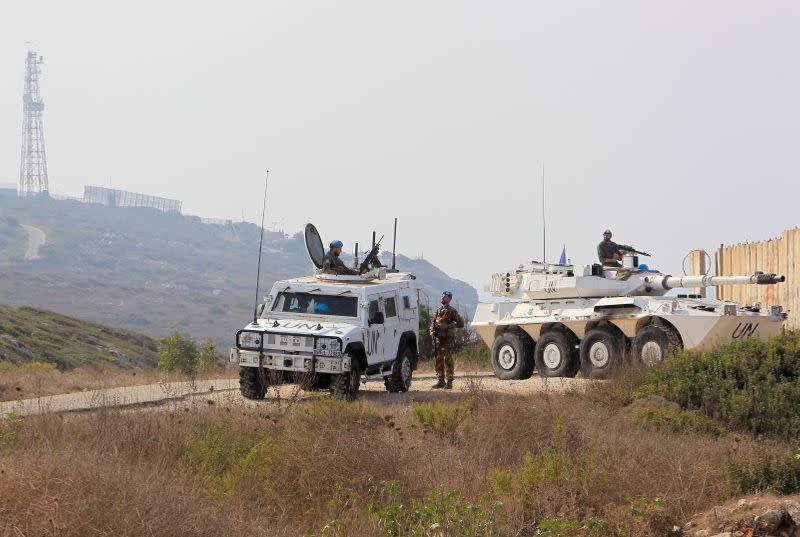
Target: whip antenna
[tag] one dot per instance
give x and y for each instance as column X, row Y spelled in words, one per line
column 544, row 223
column 260, row 246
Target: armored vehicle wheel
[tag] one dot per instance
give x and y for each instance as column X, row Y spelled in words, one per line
column 347, row 384
column 653, row 343
column 512, row 356
column 252, row 384
column 400, row 379
column 601, row 353
column 556, row 355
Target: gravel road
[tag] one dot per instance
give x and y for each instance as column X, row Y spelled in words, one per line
column 226, row 391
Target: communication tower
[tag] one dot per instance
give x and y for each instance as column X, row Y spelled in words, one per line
column 33, row 168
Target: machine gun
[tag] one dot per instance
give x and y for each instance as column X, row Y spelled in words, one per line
column 631, row 249
column 371, row 261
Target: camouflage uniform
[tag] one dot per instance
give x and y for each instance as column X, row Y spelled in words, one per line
column 606, row 251
column 332, row 264
column 444, row 339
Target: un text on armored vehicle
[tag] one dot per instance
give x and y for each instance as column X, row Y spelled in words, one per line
column 562, row 319
column 328, row 331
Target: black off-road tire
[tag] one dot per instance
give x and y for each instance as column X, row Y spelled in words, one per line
column 402, row 369
column 652, row 344
column 252, row 384
column 602, row 353
column 347, row 384
column 556, row 354
column 512, row 356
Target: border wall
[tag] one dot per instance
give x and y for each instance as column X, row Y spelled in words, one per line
column 777, row 256
column 122, row 198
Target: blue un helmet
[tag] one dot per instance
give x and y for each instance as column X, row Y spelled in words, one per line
column 337, row 244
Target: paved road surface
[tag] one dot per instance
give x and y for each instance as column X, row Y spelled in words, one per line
column 227, row 391
column 36, row 239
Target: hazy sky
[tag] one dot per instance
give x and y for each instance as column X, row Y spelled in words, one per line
column 677, row 124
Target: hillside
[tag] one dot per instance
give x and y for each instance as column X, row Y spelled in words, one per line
column 154, row 272
column 29, row 334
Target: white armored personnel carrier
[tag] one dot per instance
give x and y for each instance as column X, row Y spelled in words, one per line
column 328, row 331
column 562, row 319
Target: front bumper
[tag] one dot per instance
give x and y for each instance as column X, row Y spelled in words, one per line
column 300, row 363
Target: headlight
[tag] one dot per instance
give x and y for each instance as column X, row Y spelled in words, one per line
column 328, row 346
column 250, row 340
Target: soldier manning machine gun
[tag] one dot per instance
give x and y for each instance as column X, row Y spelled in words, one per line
column 564, row 318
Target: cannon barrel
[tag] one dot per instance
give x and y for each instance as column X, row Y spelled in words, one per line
column 671, row 282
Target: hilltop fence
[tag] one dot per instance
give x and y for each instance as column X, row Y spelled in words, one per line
column 772, row 256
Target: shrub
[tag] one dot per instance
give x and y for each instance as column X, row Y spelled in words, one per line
column 441, row 513
column 444, row 418
column 767, row 473
column 559, row 527
column 752, row 385
column 675, row 420
column 177, row 352
column 207, row 357
column 221, row 459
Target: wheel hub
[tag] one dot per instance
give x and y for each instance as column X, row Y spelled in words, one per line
column 552, row 356
column 652, row 354
column 507, row 357
column 599, row 354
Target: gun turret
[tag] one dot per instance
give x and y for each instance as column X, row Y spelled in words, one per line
column 671, row 282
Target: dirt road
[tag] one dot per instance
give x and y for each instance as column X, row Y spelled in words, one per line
column 36, row 239
column 226, row 391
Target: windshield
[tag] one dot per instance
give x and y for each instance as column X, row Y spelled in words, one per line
column 314, row 304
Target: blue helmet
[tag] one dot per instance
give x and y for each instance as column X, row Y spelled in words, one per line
column 321, row 307
column 337, row 244
column 448, row 293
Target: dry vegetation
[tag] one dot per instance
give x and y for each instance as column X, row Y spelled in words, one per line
column 472, row 464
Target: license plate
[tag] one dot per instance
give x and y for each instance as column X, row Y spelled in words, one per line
column 290, row 340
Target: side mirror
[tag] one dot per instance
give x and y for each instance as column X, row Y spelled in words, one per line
column 377, row 318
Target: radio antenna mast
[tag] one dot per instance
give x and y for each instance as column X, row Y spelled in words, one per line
column 544, row 223
column 260, row 246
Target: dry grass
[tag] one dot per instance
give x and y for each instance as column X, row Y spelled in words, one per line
column 27, row 382
column 367, row 468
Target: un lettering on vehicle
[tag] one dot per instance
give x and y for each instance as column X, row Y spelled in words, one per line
column 372, row 340
column 744, row 330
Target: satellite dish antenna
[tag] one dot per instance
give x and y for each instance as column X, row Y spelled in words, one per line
column 314, row 245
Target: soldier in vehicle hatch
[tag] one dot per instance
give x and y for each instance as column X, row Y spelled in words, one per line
column 608, row 251
column 332, row 263
column 444, row 323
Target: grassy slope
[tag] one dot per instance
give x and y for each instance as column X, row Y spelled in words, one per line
column 149, row 271
column 28, row 334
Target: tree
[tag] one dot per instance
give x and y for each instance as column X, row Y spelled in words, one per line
column 177, row 351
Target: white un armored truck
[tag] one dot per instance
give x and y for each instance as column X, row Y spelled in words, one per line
column 562, row 319
column 328, row 331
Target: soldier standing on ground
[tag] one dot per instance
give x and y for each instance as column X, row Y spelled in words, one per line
column 332, row 263
column 442, row 328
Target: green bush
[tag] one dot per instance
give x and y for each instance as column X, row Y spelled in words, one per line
column 751, row 385
column 767, row 473
column 444, row 418
column 675, row 420
column 177, row 352
column 560, row 527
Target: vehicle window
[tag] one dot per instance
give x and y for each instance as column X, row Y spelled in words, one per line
column 314, row 304
column 389, row 307
column 373, row 308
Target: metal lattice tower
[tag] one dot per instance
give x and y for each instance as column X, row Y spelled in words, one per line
column 33, row 168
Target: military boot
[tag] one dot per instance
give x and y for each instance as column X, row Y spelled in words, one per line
column 449, row 385
column 438, row 385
